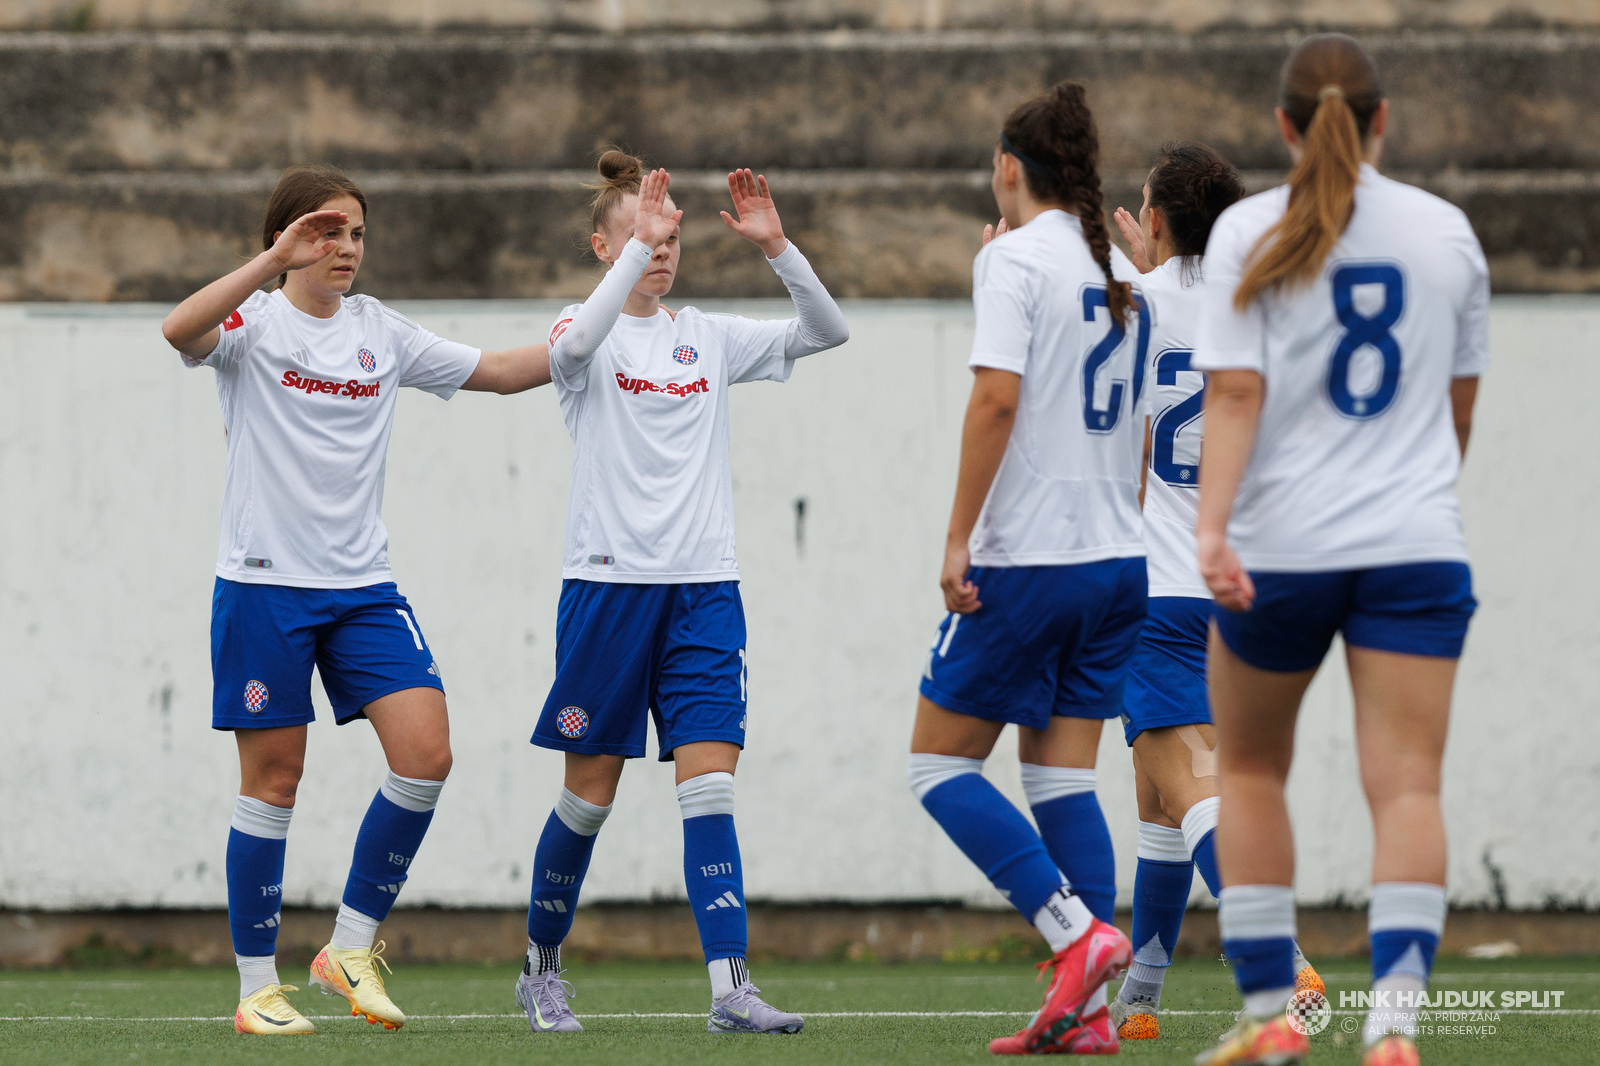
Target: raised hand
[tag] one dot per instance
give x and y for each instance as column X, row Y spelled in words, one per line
column 758, row 220
column 991, row 232
column 652, row 225
column 304, row 242
column 1134, row 235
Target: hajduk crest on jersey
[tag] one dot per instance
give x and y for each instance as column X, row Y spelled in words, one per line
column 685, row 354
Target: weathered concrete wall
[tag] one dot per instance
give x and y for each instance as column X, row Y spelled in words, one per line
column 635, row 15
column 219, row 102
column 115, row 791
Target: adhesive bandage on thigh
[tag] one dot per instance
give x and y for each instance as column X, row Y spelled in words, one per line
column 1202, row 756
column 707, row 794
column 1200, row 820
column 926, row 772
column 1042, row 784
column 412, row 793
column 256, row 818
column 579, row 815
column 1162, row 843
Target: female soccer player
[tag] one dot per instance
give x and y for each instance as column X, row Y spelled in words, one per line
column 650, row 622
column 307, row 378
column 1044, row 572
column 1343, row 333
column 1166, row 715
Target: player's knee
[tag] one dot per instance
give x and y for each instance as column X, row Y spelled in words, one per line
column 436, row 763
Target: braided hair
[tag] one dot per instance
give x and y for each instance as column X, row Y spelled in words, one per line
column 1057, row 133
column 1190, row 184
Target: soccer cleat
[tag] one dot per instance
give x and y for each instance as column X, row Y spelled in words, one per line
column 742, row 1011
column 1253, row 1043
column 353, row 974
column 1077, row 970
column 269, row 1013
column 543, row 997
column 1396, row 1049
column 1134, row 1021
column 1308, row 978
column 1097, row 1036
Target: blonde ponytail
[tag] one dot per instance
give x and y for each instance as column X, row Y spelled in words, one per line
column 1322, row 186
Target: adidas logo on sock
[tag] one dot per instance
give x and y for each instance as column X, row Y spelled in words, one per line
column 553, row 905
column 727, row 899
column 270, row 923
column 391, row 889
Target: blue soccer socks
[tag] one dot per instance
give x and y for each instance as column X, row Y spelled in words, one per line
column 1074, row 832
column 559, row 866
column 1404, row 923
column 1199, row 832
column 1161, row 885
column 1257, row 924
column 711, row 868
column 386, row 844
column 988, row 829
column 256, row 843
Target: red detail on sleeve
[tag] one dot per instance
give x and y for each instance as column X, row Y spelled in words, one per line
column 233, row 321
column 560, row 328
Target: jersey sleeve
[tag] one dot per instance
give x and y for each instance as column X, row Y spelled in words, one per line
column 754, row 349
column 1003, row 304
column 240, row 331
column 428, row 361
column 1227, row 339
column 1471, row 357
column 573, row 382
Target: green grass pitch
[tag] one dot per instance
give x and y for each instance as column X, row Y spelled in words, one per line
column 859, row 1013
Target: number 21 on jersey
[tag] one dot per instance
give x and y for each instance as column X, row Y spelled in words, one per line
column 1105, row 419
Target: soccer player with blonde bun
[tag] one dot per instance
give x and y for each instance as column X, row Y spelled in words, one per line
column 650, row 623
column 307, row 377
column 1044, row 571
column 1344, row 329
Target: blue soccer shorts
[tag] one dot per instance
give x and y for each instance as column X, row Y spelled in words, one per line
column 625, row 652
column 265, row 639
column 1048, row 640
column 1167, row 676
column 1410, row 609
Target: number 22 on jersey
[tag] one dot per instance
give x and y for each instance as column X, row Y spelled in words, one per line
column 1173, row 420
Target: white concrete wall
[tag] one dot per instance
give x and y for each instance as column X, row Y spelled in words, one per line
column 114, row 790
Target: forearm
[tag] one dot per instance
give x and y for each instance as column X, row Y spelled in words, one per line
column 1463, row 397
column 1232, row 413
column 193, row 319
column 984, row 436
column 593, row 322
column 511, row 371
column 818, row 323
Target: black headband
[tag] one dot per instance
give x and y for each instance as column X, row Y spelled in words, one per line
column 1031, row 164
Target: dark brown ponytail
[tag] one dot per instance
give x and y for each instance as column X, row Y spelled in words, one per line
column 1329, row 90
column 1054, row 138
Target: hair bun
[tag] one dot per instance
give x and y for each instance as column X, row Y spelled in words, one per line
column 619, row 169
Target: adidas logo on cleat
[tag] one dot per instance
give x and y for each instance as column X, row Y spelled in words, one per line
column 727, row 899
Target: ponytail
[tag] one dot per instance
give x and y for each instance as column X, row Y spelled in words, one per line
column 1054, row 138
column 1330, row 93
column 620, row 176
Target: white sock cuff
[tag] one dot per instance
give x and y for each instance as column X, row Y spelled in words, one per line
column 1200, row 820
column 926, row 772
column 579, row 815
column 252, row 817
column 1406, row 905
column 1162, row 843
column 1256, row 912
column 707, row 794
column 1041, row 784
column 412, row 793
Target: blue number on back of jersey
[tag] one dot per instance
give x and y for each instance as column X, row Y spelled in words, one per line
column 1164, row 434
column 1361, row 332
column 1104, row 419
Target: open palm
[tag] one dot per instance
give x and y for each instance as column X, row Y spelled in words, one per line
column 757, row 220
column 305, row 241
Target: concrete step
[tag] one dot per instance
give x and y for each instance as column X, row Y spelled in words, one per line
column 524, row 234
column 210, row 101
column 767, row 15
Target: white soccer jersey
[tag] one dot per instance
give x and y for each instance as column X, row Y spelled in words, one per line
column 1356, row 459
column 652, row 490
column 1174, row 392
column 308, row 404
column 1067, row 490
